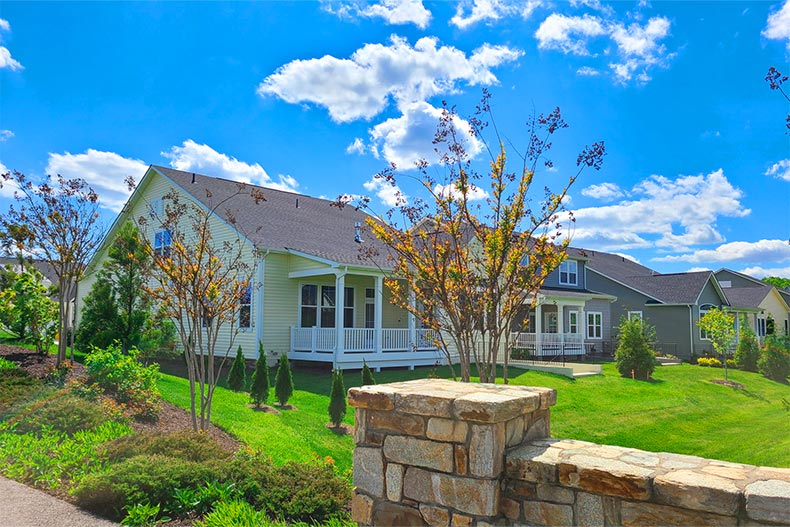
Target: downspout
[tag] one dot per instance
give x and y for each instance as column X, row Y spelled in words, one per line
column 691, row 330
column 261, row 275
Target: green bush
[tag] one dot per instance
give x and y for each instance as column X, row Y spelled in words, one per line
column 709, row 362
column 16, row 384
column 142, row 515
column 284, row 384
column 748, row 352
column 259, row 389
column 634, row 353
column 125, row 379
column 367, row 375
column 234, row 514
column 337, row 399
column 68, row 414
column 142, row 479
column 186, row 445
column 6, row 364
column 237, row 376
column 774, row 360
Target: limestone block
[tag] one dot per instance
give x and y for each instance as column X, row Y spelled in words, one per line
column 419, row 452
column 538, row 427
column 549, row 514
column 514, row 431
column 493, row 406
column 387, row 513
column 359, row 426
column 769, row 500
column 447, row 430
column 376, row 397
column 396, row 422
column 394, row 476
column 369, row 471
column 605, row 476
column 460, row 520
column 373, row 438
column 555, row 494
column 479, row 497
column 611, row 510
column 461, row 460
column 589, row 510
column 435, row 516
column 486, row 450
column 643, row 514
column 362, row 509
column 511, row 509
column 535, row 463
column 697, row 491
column 521, row 490
column 433, row 403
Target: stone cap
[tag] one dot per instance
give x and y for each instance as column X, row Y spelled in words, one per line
column 476, row 402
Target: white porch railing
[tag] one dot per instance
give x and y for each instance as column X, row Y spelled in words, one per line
column 549, row 344
column 324, row 340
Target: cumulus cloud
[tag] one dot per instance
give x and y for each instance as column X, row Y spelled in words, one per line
column 194, row 157
column 362, row 86
column 407, row 139
column 6, row 60
column 105, row 172
column 475, row 193
column 8, row 187
column 640, row 50
column 760, row 272
column 586, row 71
column 357, row 147
column 393, row 12
column 604, row 191
column 741, row 252
column 5, row 135
column 568, row 34
column 778, row 24
column 780, row 170
column 662, row 212
column 390, row 195
column 469, row 13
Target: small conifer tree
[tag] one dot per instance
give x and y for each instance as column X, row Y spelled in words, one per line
column 237, row 377
column 367, row 375
column 634, row 355
column 337, row 400
column 748, row 352
column 284, row 384
column 259, row 390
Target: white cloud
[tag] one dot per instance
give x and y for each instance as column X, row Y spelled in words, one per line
column 194, row 157
column 8, row 187
column 639, row 49
column 408, row 139
column 586, row 71
column 780, row 170
column 400, row 12
column 5, row 135
column 742, row 252
column 662, row 212
column 6, row 60
column 475, row 193
column 361, row 87
column 778, row 24
column 490, row 11
column 390, row 195
column 568, row 34
column 357, row 147
column 604, row 191
column 105, row 172
column 4, row 25
column 762, row 272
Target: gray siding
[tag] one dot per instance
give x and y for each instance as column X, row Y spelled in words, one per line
column 672, row 329
column 553, row 280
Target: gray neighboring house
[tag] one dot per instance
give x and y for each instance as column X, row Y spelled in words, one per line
column 672, row 303
column 766, row 307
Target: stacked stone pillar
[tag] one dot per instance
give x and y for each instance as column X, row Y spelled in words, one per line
column 432, row 452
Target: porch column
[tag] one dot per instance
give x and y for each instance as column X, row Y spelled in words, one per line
column 377, row 314
column 538, row 329
column 340, row 297
column 412, row 320
column 561, row 325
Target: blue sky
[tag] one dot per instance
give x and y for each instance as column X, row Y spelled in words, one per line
column 318, row 97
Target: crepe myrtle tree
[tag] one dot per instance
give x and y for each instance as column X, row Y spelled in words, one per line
column 198, row 282
column 465, row 269
column 57, row 220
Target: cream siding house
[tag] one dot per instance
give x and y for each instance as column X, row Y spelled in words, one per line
column 767, row 308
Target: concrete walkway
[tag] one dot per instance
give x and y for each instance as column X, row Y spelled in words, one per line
column 23, row 506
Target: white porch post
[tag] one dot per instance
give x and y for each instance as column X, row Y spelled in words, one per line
column 377, row 314
column 412, row 320
column 538, row 330
column 340, row 288
column 561, row 326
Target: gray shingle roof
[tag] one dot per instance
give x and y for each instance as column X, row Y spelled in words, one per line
column 286, row 220
column 749, row 297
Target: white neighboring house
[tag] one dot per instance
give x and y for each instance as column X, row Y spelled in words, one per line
column 314, row 296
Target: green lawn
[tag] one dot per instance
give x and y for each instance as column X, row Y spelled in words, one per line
column 681, row 411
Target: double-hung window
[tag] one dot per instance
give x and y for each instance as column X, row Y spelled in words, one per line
column 318, row 306
column 594, row 325
column 163, row 239
column 634, row 315
column 569, row 273
column 245, row 308
column 703, row 310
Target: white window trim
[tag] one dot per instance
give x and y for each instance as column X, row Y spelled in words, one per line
column 319, row 305
column 593, row 325
column 702, row 311
column 159, row 249
column 573, row 322
column 631, row 314
column 575, row 274
column 238, row 322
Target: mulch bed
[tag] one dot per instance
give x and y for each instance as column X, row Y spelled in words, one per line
column 171, row 417
column 731, row 384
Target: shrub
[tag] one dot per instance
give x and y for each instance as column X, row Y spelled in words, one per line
column 6, row 364
column 17, row 384
column 237, row 376
column 337, row 399
column 774, row 360
column 186, row 445
column 709, row 362
column 234, row 513
column 367, row 375
column 67, row 414
column 141, row 479
column 125, row 379
column 748, row 352
column 284, row 384
column 633, row 352
column 142, row 515
column 259, row 390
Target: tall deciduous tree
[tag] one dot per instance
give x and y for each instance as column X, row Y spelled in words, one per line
column 720, row 328
column 467, row 270
column 60, row 218
column 197, row 282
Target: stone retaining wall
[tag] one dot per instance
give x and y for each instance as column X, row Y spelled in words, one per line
column 441, row 453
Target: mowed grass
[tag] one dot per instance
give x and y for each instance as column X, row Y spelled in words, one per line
column 681, row 411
